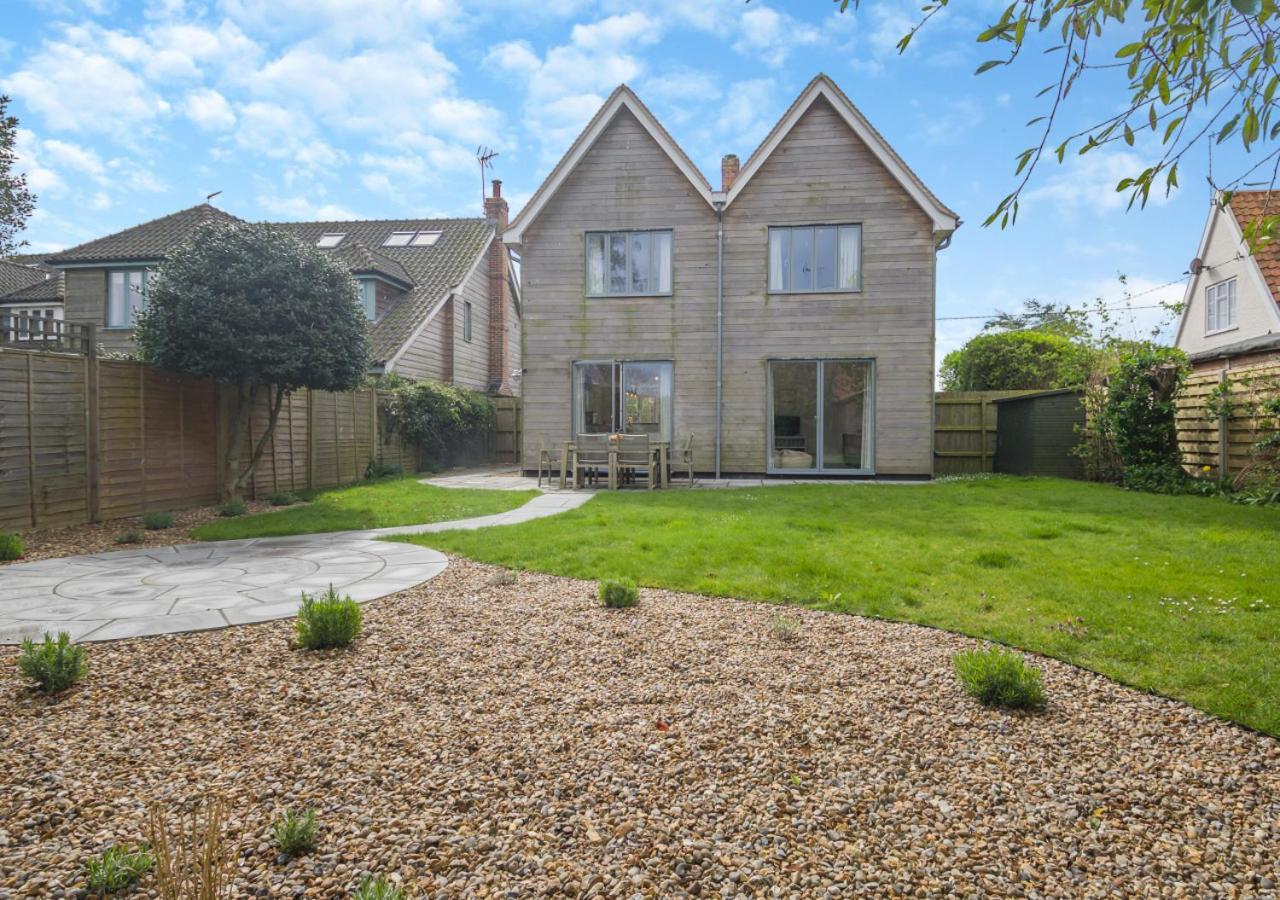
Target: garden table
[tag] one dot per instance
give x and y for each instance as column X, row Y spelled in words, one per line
column 662, row 448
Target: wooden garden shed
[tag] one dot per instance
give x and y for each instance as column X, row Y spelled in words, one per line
column 1037, row 433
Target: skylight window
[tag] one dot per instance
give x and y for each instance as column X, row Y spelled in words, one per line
column 330, row 240
column 412, row 239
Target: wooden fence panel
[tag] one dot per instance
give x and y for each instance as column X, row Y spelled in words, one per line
column 964, row 430
column 1223, row 444
column 83, row 439
column 508, row 426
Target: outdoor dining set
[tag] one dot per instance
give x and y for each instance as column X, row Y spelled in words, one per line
column 616, row 460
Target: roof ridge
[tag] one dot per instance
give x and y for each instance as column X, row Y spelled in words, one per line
column 203, row 211
column 375, row 221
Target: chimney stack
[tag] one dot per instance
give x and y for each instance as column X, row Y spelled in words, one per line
column 728, row 170
column 495, row 207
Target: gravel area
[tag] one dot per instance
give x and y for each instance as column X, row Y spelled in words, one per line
column 100, row 536
column 487, row 739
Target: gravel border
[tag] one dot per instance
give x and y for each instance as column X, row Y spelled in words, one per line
column 485, row 738
column 98, row 537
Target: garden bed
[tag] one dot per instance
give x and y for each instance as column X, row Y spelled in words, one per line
column 484, row 737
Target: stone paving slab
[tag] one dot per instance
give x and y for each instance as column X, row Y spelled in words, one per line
column 194, row 587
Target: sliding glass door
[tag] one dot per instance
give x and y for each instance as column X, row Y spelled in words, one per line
column 634, row 397
column 820, row 414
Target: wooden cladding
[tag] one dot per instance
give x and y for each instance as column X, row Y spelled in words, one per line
column 83, row 439
column 1223, row 444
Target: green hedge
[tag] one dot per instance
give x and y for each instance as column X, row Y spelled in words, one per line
column 449, row 425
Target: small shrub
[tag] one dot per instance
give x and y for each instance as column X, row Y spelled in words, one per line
column 377, row 469
column 157, row 521
column 53, row 665
column 232, row 508
column 132, row 536
column 11, row 546
column 193, row 861
column 505, row 577
column 295, row 833
column 282, row 498
column 377, row 889
column 329, row 620
column 618, row 593
column 117, row 869
column 994, row 559
column 1000, row 678
column 784, row 629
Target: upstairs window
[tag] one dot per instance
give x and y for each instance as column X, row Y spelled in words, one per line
column 628, row 263
column 1220, row 306
column 466, row 321
column 412, row 239
column 329, row 241
column 813, row 258
column 126, row 296
column 369, row 298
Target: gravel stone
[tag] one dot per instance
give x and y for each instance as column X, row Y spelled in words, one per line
column 486, row 739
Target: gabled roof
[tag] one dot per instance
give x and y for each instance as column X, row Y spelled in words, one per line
column 147, row 242
column 944, row 219
column 621, row 98
column 47, row 290
column 434, row 272
column 1263, row 265
column 360, row 260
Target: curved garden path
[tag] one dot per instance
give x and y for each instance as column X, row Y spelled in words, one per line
column 194, row 587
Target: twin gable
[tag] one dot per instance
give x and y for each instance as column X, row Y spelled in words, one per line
column 624, row 103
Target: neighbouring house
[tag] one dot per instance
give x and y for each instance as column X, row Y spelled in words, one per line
column 441, row 295
column 1231, row 309
column 30, row 296
column 784, row 321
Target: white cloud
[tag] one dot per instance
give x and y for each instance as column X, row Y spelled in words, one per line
column 72, row 156
column 40, row 178
column 1086, row 184
column 304, row 209
column 566, row 86
column 209, row 110
column 74, row 89
column 345, row 22
column 771, row 36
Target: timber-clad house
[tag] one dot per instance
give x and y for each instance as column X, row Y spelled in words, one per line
column 441, row 295
column 785, row 321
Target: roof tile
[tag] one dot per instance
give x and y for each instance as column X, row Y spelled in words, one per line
column 1249, row 207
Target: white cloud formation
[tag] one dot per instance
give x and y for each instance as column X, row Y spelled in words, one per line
column 1086, row 184
column 300, row 208
column 771, row 36
column 209, row 110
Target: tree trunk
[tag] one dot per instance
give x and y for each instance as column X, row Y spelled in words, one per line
column 275, row 401
column 235, row 434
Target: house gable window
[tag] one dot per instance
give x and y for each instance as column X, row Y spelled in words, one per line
column 813, row 258
column 1220, row 306
column 628, row 263
column 466, row 321
column 126, row 296
column 369, row 297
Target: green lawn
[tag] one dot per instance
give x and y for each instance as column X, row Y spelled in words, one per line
column 378, row 504
column 1179, row 595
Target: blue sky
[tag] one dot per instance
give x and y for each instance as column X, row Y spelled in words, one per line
column 304, row 109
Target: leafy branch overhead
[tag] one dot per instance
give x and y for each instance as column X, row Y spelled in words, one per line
column 1197, row 71
column 17, row 203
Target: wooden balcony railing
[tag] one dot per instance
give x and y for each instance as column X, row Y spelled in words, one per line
column 51, row 335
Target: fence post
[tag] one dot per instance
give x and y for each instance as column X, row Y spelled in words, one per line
column 92, row 412
column 31, row 445
column 982, row 432
column 1224, row 426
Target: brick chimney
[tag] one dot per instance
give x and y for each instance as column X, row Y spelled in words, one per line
column 496, row 211
column 728, row 170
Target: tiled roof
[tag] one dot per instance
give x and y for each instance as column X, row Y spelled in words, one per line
column 430, row 273
column 360, row 260
column 15, row 276
column 433, row 271
column 148, row 241
column 47, row 290
column 1248, row 207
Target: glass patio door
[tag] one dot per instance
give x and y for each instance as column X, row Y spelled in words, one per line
column 820, row 416
column 632, row 397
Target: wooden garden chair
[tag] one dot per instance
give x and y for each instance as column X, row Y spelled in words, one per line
column 635, row 455
column 592, row 452
column 549, row 460
column 685, row 457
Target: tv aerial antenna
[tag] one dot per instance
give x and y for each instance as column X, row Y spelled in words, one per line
column 484, row 156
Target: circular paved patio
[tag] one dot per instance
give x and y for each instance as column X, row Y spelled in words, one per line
column 192, row 587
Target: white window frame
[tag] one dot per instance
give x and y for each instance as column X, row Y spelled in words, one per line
column 782, row 282
column 330, row 239
column 131, row 307
column 1214, row 295
column 654, row 273
column 413, row 238
column 466, row 321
